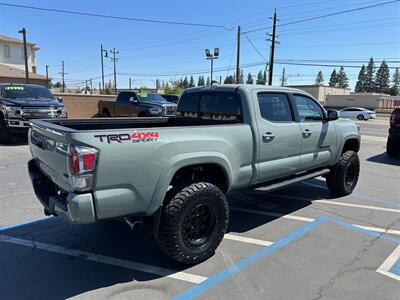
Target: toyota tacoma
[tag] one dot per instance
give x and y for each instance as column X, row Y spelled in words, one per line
column 173, row 174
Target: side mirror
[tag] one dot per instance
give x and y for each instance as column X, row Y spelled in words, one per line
column 133, row 100
column 332, row 115
column 60, row 99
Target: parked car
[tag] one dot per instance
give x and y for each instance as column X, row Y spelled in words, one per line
column 171, row 98
column 173, row 173
column 393, row 141
column 137, row 104
column 358, row 113
column 20, row 103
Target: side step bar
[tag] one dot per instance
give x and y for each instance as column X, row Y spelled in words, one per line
column 284, row 183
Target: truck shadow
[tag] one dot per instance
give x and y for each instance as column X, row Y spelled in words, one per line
column 383, row 158
column 18, row 140
column 27, row 271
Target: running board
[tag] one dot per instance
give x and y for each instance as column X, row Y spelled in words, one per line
column 284, row 183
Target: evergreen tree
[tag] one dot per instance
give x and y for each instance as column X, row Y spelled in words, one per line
column 260, row 79
column 395, row 88
column 333, row 81
column 191, row 82
column 229, row 80
column 185, row 83
column 199, row 81
column 369, row 77
column 249, row 79
column 241, row 78
column 208, row 81
column 342, row 79
column 382, row 80
column 265, row 77
column 319, row 80
column 360, row 85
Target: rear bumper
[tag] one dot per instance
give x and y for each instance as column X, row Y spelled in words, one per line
column 74, row 208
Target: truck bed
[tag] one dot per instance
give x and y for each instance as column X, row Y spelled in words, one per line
column 126, row 123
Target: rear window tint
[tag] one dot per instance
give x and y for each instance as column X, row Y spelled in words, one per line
column 224, row 106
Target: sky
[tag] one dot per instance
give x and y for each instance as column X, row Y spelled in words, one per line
column 148, row 51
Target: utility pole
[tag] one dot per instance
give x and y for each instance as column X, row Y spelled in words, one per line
column 238, row 56
column 47, row 76
column 102, row 65
column 283, row 79
column 114, row 59
column 272, row 52
column 91, row 86
column 23, row 31
column 130, row 83
column 62, row 77
column 99, row 88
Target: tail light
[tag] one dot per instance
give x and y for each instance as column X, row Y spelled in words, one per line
column 82, row 162
column 393, row 119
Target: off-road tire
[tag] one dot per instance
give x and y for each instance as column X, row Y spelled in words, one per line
column 360, row 117
column 5, row 134
column 344, row 175
column 392, row 147
column 174, row 219
column 105, row 114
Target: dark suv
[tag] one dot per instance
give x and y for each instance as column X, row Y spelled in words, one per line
column 393, row 142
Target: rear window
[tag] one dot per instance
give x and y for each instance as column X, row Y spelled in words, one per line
column 224, row 106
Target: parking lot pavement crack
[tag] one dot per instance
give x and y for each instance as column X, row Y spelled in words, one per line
column 347, row 267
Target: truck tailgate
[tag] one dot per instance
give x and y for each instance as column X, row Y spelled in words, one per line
column 49, row 148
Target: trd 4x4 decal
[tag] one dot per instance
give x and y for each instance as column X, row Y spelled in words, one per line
column 135, row 137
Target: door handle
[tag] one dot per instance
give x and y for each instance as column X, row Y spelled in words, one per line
column 307, row 133
column 268, row 136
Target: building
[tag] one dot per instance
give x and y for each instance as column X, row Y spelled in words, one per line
column 14, row 75
column 367, row 100
column 12, row 62
column 12, row 53
column 321, row 92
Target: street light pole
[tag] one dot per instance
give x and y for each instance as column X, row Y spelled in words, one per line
column 102, row 64
column 23, row 31
column 212, row 65
column 47, row 76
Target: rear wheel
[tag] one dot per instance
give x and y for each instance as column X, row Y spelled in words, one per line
column 105, row 113
column 142, row 114
column 5, row 134
column 360, row 117
column 392, row 147
column 344, row 175
column 193, row 223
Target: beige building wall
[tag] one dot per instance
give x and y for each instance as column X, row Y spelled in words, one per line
column 81, row 105
column 12, row 54
column 321, row 92
column 366, row 100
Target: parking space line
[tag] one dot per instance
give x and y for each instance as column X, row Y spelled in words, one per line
column 357, row 195
column 391, row 263
column 305, row 219
column 247, row 240
column 183, row 276
column 264, row 252
column 372, row 138
column 323, row 201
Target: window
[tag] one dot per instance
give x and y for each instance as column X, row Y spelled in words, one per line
column 274, row 107
column 309, row 110
column 123, row 97
column 188, row 105
column 7, row 53
column 224, row 106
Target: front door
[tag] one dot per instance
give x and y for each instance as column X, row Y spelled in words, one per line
column 279, row 138
column 318, row 137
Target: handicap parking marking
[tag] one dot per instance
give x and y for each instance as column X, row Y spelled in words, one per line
column 391, row 266
column 183, row 276
column 264, row 252
column 306, row 219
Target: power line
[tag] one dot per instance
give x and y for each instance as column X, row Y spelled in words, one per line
column 328, row 15
column 81, row 13
column 254, row 47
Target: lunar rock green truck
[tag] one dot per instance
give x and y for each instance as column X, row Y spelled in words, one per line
column 172, row 174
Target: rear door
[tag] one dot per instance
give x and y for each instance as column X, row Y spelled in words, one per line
column 278, row 135
column 318, row 137
column 126, row 105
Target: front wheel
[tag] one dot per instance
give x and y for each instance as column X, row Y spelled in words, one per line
column 344, row 175
column 360, row 117
column 193, row 223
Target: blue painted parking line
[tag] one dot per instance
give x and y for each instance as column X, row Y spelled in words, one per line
column 264, row 252
column 5, row 228
column 396, row 268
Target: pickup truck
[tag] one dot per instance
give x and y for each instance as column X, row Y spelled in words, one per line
column 21, row 102
column 393, row 141
column 137, row 104
column 172, row 174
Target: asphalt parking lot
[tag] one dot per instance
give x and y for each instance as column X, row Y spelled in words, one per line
column 295, row 243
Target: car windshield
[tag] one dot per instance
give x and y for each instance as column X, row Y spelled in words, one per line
column 143, row 96
column 26, row 92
